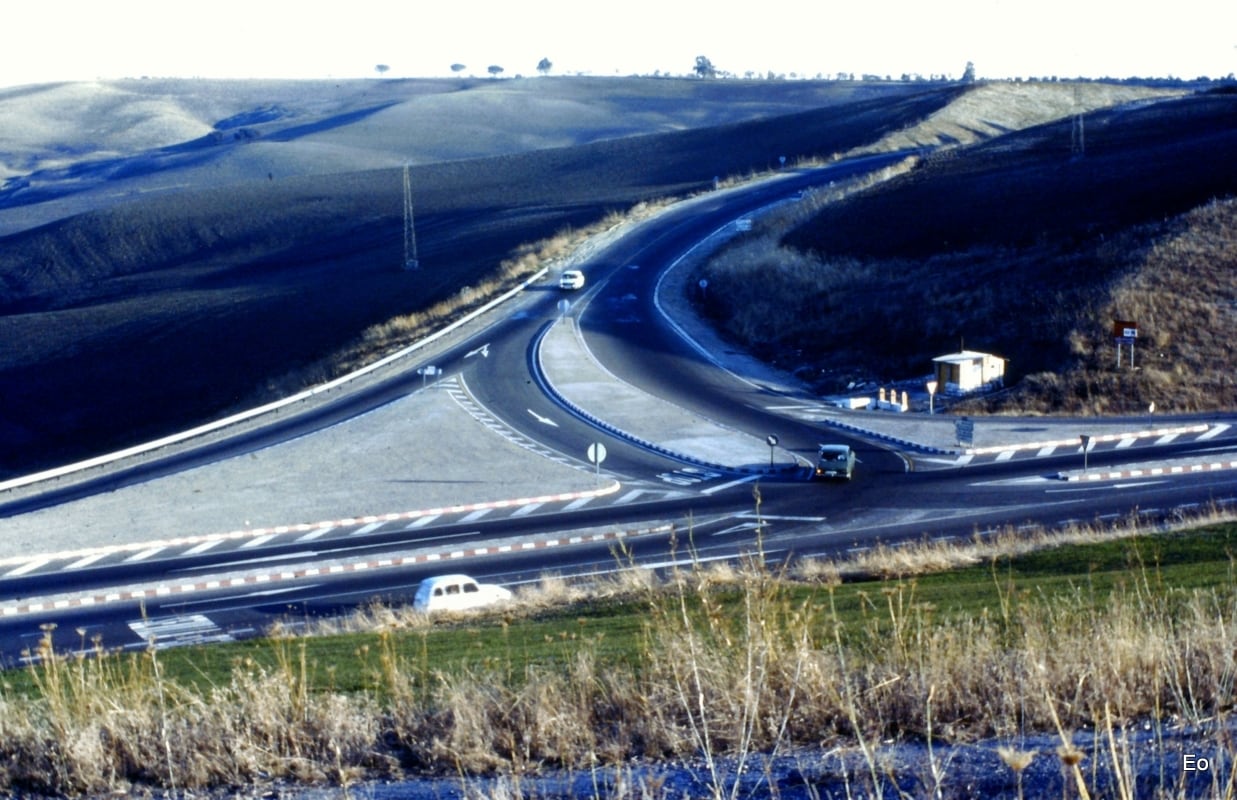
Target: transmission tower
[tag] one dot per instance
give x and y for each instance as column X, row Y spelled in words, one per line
column 410, row 231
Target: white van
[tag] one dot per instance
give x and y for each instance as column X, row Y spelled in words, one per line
column 835, row 461
column 571, row 279
column 457, row 593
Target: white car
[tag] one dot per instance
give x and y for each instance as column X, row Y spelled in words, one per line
column 457, row 593
column 571, row 279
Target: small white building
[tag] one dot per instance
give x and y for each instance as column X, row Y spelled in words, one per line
column 968, row 371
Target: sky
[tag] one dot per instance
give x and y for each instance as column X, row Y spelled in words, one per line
column 91, row 39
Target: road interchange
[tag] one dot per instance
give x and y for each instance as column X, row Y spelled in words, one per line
column 203, row 588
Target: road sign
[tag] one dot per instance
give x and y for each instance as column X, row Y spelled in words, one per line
column 965, row 430
column 597, row 454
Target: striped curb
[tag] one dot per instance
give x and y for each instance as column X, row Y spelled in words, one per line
column 1002, row 448
column 348, row 568
column 1103, row 437
column 307, row 527
column 1148, row 472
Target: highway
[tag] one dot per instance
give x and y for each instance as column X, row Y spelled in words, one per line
column 647, row 507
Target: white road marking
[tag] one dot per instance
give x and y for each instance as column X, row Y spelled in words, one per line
column 1046, row 451
column 1126, row 442
column 257, row 541
column 81, row 563
column 318, row 534
column 422, row 522
column 27, row 568
column 370, row 528
column 1166, row 438
column 203, row 547
column 578, row 503
column 964, row 460
column 1216, row 430
column 524, row 511
column 145, row 554
column 478, row 514
column 736, row 482
column 627, row 498
column 1005, row 455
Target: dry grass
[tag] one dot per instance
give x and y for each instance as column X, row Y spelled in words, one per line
column 735, row 665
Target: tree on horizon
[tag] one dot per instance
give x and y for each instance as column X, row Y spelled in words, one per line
column 704, row 67
column 494, row 70
column 544, row 66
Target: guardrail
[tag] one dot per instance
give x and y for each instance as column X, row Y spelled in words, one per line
column 181, row 437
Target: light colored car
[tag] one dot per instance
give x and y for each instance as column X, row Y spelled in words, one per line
column 835, row 461
column 457, row 593
column 571, row 279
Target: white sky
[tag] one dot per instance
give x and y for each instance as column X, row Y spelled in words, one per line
column 88, row 39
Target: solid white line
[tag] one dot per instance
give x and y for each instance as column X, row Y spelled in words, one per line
column 721, row 486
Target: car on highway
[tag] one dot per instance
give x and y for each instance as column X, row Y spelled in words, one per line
column 835, row 461
column 457, row 593
column 571, row 279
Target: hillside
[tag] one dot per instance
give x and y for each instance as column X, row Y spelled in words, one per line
column 1027, row 245
column 190, row 274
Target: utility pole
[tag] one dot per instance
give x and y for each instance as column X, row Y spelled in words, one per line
column 410, row 231
column 1078, row 136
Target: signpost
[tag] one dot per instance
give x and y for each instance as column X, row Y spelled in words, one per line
column 965, row 430
column 1086, row 448
column 426, row 371
column 1124, row 332
column 931, row 396
column 771, row 440
column 597, row 454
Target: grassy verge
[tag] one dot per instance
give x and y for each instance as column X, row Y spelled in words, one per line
column 738, row 661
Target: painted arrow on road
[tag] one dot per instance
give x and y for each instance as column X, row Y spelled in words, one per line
column 543, row 420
